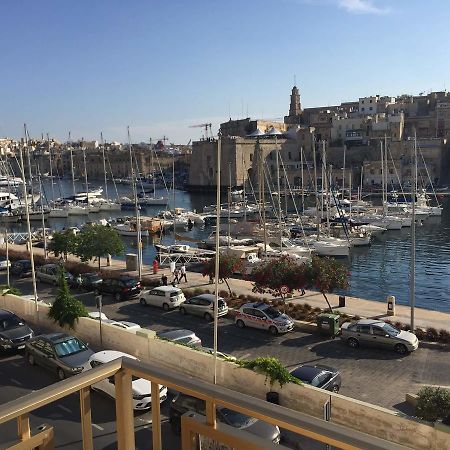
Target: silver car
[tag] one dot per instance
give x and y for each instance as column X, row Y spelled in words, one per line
column 376, row 333
column 49, row 273
column 203, row 306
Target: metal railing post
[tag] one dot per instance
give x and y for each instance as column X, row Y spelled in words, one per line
column 23, row 427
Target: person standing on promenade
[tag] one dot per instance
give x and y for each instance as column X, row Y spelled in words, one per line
column 176, row 275
column 172, row 267
column 183, row 273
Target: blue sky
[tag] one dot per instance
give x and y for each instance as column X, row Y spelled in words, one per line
column 160, row 66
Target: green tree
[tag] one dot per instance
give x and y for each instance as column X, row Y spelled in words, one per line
column 272, row 274
column 433, row 403
column 66, row 309
column 97, row 241
column 228, row 265
column 326, row 275
column 63, row 243
column 5, row 289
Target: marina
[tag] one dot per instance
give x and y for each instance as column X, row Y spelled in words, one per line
column 375, row 270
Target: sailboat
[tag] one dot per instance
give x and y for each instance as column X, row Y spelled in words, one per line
column 73, row 208
column 146, row 200
column 106, row 204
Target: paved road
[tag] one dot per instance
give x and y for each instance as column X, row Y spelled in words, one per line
column 376, row 376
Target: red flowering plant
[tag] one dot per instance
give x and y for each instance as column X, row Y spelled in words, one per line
column 326, row 275
column 228, row 265
column 270, row 276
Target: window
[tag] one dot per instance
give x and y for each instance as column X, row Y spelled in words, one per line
column 259, row 314
column 94, row 363
column 289, row 155
column 365, row 329
column 370, row 101
column 248, row 311
column 370, row 108
column 362, row 101
column 362, row 109
column 251, row 157
column 377, row 331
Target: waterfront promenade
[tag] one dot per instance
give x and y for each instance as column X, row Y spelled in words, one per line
column 354, row 306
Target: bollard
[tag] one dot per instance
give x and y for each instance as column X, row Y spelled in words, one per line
column 390, row 305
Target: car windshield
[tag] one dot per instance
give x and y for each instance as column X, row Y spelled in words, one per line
column 69, row 347
column 392, row 331
column 129, row 282
column 272, row 312
column 174, row 293
column 8, row 323
column 235, row 419
column 92, row 277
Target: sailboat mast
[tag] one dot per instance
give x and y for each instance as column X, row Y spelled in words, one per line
column 279, row 193
column 85, row 176
column 104, row 165
column 173, row 193
column 51, row 170
column 243, row 186
column 343, row 174
column 302, row 185
column 229, row 203
column 30, row 173
column 153, row 168
column 73, row 170
column 382, row 175
column 315, row 186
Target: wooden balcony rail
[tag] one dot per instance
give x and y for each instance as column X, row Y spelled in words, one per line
column 193, row 425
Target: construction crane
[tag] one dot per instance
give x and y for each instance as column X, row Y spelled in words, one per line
column 205, row 126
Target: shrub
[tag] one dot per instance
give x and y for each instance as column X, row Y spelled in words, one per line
column 224, row 294
column 10, row 290
column 242, row 297
column 432, row 334
column 433, row 403
column 420, row 333
column 272, row 368
column 444, row 336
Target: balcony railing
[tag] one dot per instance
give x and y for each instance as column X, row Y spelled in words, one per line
column 194, row 427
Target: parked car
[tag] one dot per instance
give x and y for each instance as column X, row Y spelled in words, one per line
column 266, row 317
column 183, row 403
column 89, row 281
column 319, row 376
column 219, row 354
column 14, row 332
column 187, row 337
column 203, row 306
column 141, row 389
column 166, row 297
column 61, row 353
column 376, row 333
column 96, row 315
column 4, row 263
column 21, row 268
column 49, row 273
column 120, row 288
column 129, row 326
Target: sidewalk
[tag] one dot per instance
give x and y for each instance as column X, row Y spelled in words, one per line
column 424, row 318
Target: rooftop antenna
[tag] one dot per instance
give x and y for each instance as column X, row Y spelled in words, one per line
column 295, row 80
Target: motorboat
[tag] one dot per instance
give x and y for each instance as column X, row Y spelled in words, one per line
column 129, row 229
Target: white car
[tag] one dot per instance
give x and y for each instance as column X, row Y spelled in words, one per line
column 141, row 388
column 166, row 297
column 129, row 326
column 96, row 315
column 4, row 263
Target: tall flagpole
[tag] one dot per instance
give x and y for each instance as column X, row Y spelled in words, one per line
column 217, row 257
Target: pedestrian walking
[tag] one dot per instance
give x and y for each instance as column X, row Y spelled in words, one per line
column 183, row 273
column 303, row 291
column 164, row 280
column 172, row 267
column 176, row 275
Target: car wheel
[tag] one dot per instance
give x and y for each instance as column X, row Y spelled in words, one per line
column 335, row 389
column 208, row 317
column 142, row 302
column 240, row 323
column 61, row 374
column 30, row 359
column 401, row 349
column 117, row 297
column 353, row 343
column 182, row 311
column 165, row 307
column 273, row 330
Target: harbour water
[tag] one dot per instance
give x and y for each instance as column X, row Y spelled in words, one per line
column 377, row 271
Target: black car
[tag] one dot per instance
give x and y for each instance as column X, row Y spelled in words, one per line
column 183, row 403
column 61, row 353
column 319, row 376
column 21, row 268
column 14, row 332
column 89, row 281
column 120, row 288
